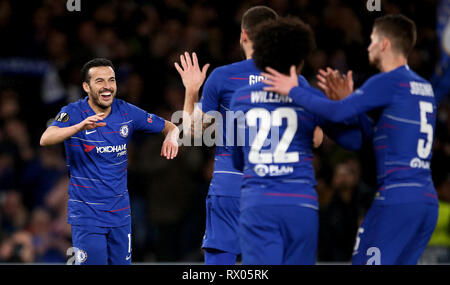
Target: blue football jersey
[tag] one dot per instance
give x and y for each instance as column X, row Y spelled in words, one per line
column 97, row 161
column 403, row 109
column 216, row 97
column 275, row 143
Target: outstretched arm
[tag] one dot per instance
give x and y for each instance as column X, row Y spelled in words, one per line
column 54, row 134
column 375, row 93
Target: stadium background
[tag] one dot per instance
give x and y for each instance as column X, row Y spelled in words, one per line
column 42, row 49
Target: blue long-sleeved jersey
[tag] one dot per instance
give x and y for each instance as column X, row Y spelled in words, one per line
column 404, row 123
column 97, row 161
column 275, row 147
column 215, row 101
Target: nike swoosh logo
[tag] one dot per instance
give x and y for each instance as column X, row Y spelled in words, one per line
column 128, row 257
column 90, row 132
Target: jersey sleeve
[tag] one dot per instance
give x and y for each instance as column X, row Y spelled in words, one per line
column 146, row 122
column 347, row 134
column 210, row 99
column 367, row 127
column 65, row 118
column 375, row 93
column 302, row 81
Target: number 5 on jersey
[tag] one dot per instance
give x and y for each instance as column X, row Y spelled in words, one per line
column 424, row 147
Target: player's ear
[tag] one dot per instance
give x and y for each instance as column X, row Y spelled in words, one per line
column 385, row 43
column 244, row 36
column 86, row 87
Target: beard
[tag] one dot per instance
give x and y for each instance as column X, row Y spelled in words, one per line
column 375, row 61
column 96, row 98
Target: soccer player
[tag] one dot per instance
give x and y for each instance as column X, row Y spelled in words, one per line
column 95, row 131
column 403, row 216
column 279, row 205
column 220, row 242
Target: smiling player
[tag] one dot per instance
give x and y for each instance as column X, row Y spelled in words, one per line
column 96, row 131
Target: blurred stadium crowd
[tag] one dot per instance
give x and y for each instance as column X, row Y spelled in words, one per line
column 43, row 48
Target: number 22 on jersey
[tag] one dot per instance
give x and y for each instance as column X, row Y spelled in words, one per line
column 269, row 121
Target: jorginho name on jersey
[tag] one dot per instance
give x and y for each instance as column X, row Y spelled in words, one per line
column 97, row 161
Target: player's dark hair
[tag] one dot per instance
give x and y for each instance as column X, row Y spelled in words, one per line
column 282, row 43
column 94, row 63
column 400, row 30
column 255, row 16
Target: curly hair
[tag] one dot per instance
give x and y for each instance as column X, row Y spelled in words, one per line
column 282, row 43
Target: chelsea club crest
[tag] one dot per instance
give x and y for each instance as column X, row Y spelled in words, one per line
column 124, row 131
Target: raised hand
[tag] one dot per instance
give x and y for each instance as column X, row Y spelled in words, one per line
column 335, row 85
column 190, row 72
column 278, row 82
column 91, row 122
column 54, row 134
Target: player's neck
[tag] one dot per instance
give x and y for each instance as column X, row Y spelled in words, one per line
column 392, row 62
column 248, row 51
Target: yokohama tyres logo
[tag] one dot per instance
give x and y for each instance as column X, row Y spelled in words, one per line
column 105, row 149
column 111, row 148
